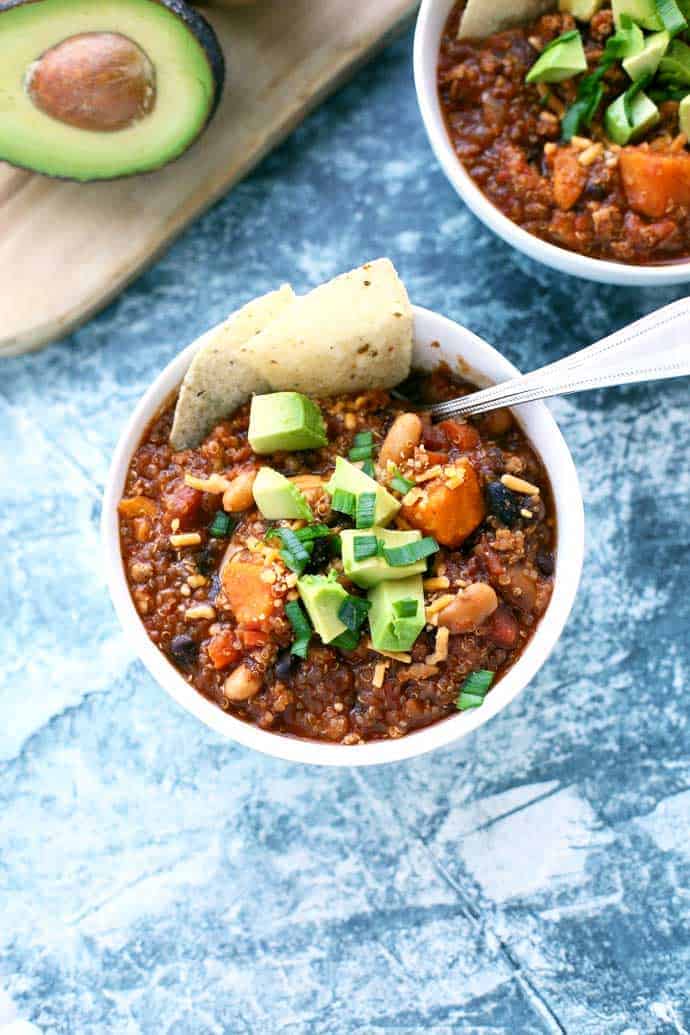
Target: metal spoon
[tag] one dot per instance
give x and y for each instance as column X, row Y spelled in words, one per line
column 653, row 348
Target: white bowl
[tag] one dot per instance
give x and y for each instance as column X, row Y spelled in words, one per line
column 472, row 357
column 432, row 18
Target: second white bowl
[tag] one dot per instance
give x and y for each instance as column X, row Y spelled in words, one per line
column 431, row 21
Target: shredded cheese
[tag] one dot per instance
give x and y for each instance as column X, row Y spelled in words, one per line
column 436, row 582
column 406, row 659
column 519, row 485
column 439, row 603
column 441, row 647
column 380, row 674
column 200, row 612
column 185, row 539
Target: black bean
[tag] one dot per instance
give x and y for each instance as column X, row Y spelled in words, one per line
column 503, row 504
column 184, row 651
column 205, row 561
column 545, row 562
column 321, row 555
column 286, row 665
column 214, row 588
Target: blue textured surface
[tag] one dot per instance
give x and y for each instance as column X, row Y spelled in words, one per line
column 153, row 878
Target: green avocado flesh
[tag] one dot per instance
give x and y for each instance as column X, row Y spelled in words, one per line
column 188, row 72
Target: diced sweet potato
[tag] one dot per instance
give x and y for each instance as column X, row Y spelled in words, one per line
column 655, row 183
column 569, row 178
column 222, row 650
column 249, row 598
column 449, row 512
column 463, row 436
column 137, row 506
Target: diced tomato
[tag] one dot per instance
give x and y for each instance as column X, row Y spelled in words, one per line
column 448, row 514
column 569, row 178
column 464, row 436
column 184, row 504
column 434, row 458
column 252, row 637
column 222, row 650
column 249, row 597
column 655, row 183
column 434, row 437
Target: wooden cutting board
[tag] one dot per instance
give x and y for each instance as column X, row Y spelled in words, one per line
column 67, row 249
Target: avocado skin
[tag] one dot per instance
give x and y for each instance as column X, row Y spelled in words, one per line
column 205, row 35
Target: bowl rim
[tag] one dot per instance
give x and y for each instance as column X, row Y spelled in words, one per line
column 566, row 490
column 430, row 21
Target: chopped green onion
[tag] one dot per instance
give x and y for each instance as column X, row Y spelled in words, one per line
column 366, row 509
column 405, row 608
column 590, row 93
column 344, row 502
column 401, row 484
column 671, row 16
column 466, row 701
column 363, row 438
column 400, row 556
column 300, row 626
column 478, row 682
column 353, row 612
column 295, row 554
column 336, row 545
column 222, row 526
column 310, row 532
column 368, row 468
column 365, row 546
column 361, row 453
column 626, row 41
column 565, row 37
column 630, row 95
column 347, row 640
column 474, row 689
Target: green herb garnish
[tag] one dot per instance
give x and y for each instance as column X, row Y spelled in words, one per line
column 365, row 510
column 410, row 553
column 474, row 689
column 405, row 608
column 400, row 483
column 353, row 612
column 344, row 502
column 671, row 16
column 365, row 546
column 347, row 640
column 300, row 626
column 222, row 526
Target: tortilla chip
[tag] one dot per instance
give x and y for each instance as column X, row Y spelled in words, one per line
column 353, row 333
column 219, row 380
column 482, row 18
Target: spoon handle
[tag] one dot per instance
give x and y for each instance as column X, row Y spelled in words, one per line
column 653, row 348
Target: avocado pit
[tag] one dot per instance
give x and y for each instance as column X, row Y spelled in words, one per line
column 99, row 81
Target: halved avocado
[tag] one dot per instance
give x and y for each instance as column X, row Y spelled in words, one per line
column 97, row 90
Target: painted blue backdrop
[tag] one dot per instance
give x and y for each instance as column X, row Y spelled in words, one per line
column 155, row 879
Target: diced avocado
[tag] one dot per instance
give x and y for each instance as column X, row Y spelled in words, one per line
column 322, row 596
column 285, row 422
column 684, row 115
column 375, row 569
column 277, row 498
column 674, row 67
column 98, row 90
column 645, row 114
column 351, row 479
column 583, row 10
column 647, row 60
column 390, row 631
column 561, row 59
column 643, row 12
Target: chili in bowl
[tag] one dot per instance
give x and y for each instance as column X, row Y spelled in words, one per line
column 562, row 124
column 333, row 579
